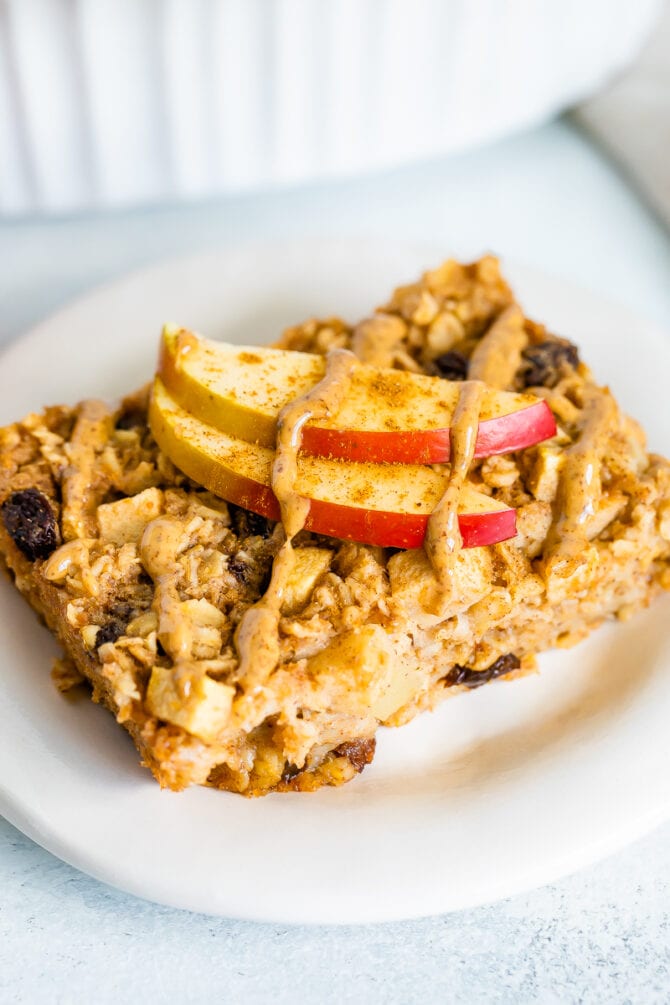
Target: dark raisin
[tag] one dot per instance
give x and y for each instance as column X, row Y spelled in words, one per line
column 110, row 632
column 113, row 495
column 289, row 772
column 120, row 614
column 238, row 568
column 358, row 752
column 248, row 524
column 452, row 365
column 131, row 419
column 122, row 611
column 31, row 523
column 545, row 363
column 475, row 678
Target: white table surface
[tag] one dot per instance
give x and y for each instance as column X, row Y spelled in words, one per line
column 603, row 935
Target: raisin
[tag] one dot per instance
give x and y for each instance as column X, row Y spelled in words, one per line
column 110, row 632
column 31, row 523
column 475, row 678
column 120, row 614
column 122, row 611
column 452, row 365
column 248, row 524
column 131, row 419
column 290, row 771
column 239, row 569
column 546, row 362
column 358, row 752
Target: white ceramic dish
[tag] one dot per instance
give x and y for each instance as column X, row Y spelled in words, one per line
column 500, row 790
column 114, row 102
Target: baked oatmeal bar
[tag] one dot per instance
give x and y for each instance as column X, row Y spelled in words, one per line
column 85, row 492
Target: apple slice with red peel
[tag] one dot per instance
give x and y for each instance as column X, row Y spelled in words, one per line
column 384, row 504
column 388, row 415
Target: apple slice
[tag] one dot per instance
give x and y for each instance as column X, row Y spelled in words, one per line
column 388, row 415
column 384, row 504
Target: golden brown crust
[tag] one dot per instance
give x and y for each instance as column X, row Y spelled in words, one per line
column 366, row 639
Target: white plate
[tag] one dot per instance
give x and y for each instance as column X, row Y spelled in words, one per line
column 500, row 790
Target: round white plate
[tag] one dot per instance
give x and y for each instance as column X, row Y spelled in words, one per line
column 500, row 790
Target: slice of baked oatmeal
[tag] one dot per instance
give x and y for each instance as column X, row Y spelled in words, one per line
column 138, row 570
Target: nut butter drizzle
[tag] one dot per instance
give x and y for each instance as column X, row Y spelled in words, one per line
column 497, row 356
column 377, row 340
column 580, row 487
column 257, row 635
column 443, row 537
column 161, row 542
column 493, row 362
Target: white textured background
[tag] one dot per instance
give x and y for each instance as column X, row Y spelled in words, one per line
column 115, row 102
column 601, row 936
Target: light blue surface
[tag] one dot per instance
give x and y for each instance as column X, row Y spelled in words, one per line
column 546, row 199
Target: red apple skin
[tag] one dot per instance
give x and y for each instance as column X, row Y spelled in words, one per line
column 501, row 435
column 377, row 527
column 405, row 530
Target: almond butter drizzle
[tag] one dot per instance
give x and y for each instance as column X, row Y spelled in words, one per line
column 377, row 339
column 257, row 635
column 497, row 356
column 443, row 537
column 493, row 362
column 579, row 488
column 161, row 542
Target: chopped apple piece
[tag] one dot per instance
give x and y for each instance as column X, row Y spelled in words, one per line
column 369, row 670
column 388, row 415
column 413, row 584
column 384, row 504
column 310, row 565
column 125, row 519
column 543, row 478
column 203, row 711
